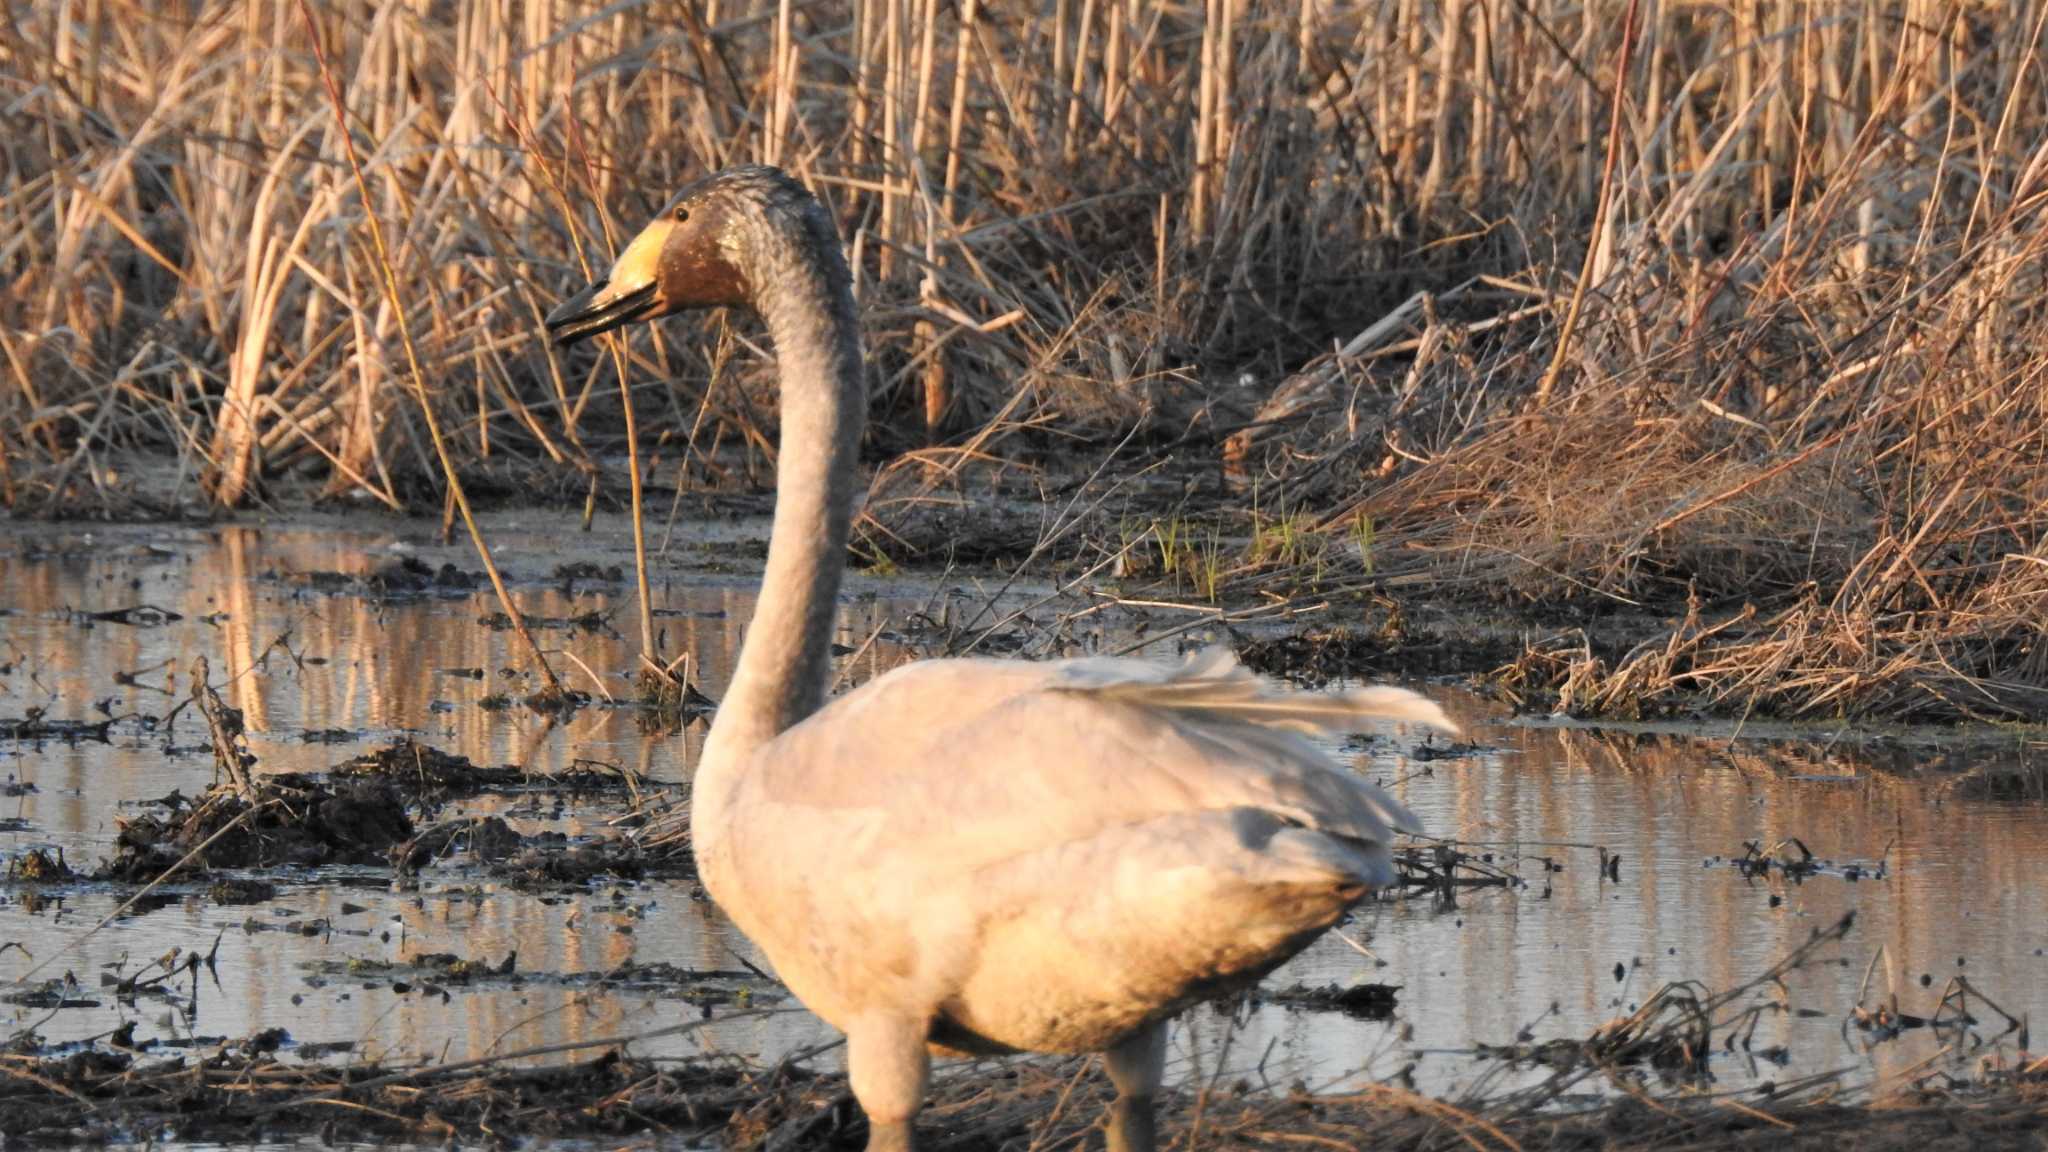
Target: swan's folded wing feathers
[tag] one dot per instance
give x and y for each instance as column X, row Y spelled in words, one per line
column 1304, row 784
column 1250, row 737
column 980, row 761
column 1213, row 682
column 1248, row 723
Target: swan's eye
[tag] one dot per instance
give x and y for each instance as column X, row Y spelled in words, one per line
column 682, row 213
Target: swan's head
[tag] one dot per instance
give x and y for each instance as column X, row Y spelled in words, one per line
column 721, row 241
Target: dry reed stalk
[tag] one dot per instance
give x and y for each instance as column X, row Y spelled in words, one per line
column 419, row 383
column 1601, row 207
column 615, row 348
column 1205, row 124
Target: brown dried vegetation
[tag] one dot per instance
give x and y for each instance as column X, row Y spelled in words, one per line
column 1635, row 306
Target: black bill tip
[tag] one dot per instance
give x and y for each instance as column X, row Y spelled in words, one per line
column 583, row 315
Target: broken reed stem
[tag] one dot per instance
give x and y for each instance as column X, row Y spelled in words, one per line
column 224, row 731
column 617, row 346
column 1601, row 203
column 412, row 361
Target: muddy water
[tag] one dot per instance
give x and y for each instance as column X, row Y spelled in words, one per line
column 1960, row 891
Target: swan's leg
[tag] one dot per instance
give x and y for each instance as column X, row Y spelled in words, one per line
column 888, row 1063
column 1136, row 1066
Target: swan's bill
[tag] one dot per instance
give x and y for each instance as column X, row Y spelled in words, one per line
column 627, row 293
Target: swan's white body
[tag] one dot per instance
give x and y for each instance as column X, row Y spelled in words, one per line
column 1045, row 857
column 980, row 855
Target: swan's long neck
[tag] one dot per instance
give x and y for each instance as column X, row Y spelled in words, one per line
column 806, row 297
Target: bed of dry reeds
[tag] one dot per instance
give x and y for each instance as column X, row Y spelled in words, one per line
column 1624, row 303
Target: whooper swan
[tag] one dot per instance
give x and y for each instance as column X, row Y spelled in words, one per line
column 980, row 856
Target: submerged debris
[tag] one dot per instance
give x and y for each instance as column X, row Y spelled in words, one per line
column 35, row 724
column 1676, row 1031
column 1952, row 1018
column 434, row 973
column 1446, row 868
column 39, row 866
column 670, row 700
column 2025, row 782
column 1792, row 859
column 585, row 622
column 1364, row 1001
column 135, row 615
column 406, row 577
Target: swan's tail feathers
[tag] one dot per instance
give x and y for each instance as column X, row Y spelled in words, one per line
column 1214, row 684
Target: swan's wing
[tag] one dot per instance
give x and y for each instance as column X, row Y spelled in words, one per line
column 957, row 764
column 1248, row 720
column 1214, row 688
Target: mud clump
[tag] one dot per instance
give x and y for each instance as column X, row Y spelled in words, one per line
column 414, row 577
column 2025, row 783
column 424, row 773
column 236, row 891
column 541, row 861
column 548, row 860
column 424, row 769
column 584, row 572
column 457, row 970
column 536, row 867
column 292, row 821
column 485, row 838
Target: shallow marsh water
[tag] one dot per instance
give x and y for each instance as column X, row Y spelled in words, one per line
column 321, row 677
